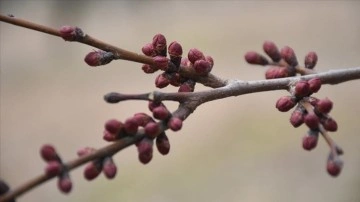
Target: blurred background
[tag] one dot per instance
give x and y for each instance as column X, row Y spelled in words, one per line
column 236, row 149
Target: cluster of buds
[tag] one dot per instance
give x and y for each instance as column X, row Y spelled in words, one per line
column 55, row 167
column 94, row 168
column 153, row 130
column 195, row 63
column 310, row 110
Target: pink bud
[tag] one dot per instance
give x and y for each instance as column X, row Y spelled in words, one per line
column 145, row 149
column 161, row 62
column 272, row 51
column 175, row 123
column 275, row 72
column 142, row 119
column 64, row 184
column 187, row 86
column 302, row 89
column 163, row 144
column 175, row 49
column 324, row 106
column 210, row 60
column 285, row 103
column 91, row 171
column 149, row 69
column 255, row 58
column 161, row 112
column 53, row 168
column 48, row 153
column 70, row 33
column 312, row 121
column 152, row 129
column 162, row 80
column 159, row 40
column 85, row 151
column 309, row 142
column 109, row 168
column 109, row 137
column 202, row 67
column 195, row 54
column 148, row 50
column 113, row 126
column 314, row 84
column 334, row 167
column 131, row 126
column 289, row 56
column 311, row 60
column 330, row 124
column 97, row 58
column 297, row 118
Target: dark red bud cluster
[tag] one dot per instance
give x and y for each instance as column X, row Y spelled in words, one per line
column 71, row 33
column 201, row 64
column 55, row 167
column 98, row 58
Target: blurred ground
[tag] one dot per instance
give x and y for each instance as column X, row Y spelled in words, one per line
column 236, row 149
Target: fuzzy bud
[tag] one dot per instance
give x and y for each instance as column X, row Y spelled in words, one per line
column 175, row 49
column 92, row 171
column 175, row 79
column 311, row 60
column 97, row 58
column 334, row 167
column 64, row 184
column 159, row 43
column 297, row 118
column 314, row 84
column 145, row 150
column 175, row 123
column 70, row 33
column 142, row 119
column 161, row 112
column 149, row 69
column 272, row 51
column 324, row 106
column 187, row 86
column 309, row 141
column 195, row 54
column 210, row 60
column 152, row 129
column 302, row 89
column 109, row 168
column 202, row 67
column 131, row 126
column 255, row 58
column 312, row 121
column 153, row 104
column 148, row 50
column 48, row 153
column 114, row 126
column 289, row 56
column 161, row 62
column 330, row 124
column 162, row 80
column 53, row 168
column 163, row 144
column 285, row 103
column 275, row 72
column 109, row 137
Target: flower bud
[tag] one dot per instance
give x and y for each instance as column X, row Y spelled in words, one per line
column 309, row 141
column 297, row 118
column 289, row 56
column 175, row 49
column 142, row 119
column 185, row 62
column 145, row 150
column 48, row 153
column 161, row 62
column 324, row 106
column 70, row 33
column 148, row 50
column 109, row 168
column 175, row 123
column 92, row 171
column 114, row 126
column 163, row 144
column 272, row 51
column 159, row 43
column 330, row 124
column 334, row 167
column 275, row 72
column 53, row 168
column 152, row 129
column 210, row 60
column 162, row 80
column 149, row 69
column 109, row 137
column 255, row 58
column 194, row 55
column 161, row 112
column 131, row 126
column 285, row 103
column 312, row 121
column 97, row 58
column 187, row 86
column 310, row 60
column 314, row 84
column 302, row 89
column 153, row 104
column 175, row 79
column 65, row 184
column 202, row 67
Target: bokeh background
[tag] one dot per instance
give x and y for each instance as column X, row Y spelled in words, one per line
column 236, row 149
